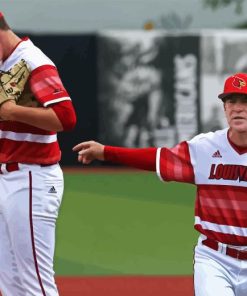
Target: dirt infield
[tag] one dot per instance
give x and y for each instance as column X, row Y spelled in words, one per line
column 126, row 286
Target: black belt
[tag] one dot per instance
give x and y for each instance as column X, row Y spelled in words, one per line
column 238, row 254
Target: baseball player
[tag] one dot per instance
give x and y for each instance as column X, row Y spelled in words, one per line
column 34, row 105
column 216, row 163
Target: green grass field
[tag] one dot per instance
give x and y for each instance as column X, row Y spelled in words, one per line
column 127, row 223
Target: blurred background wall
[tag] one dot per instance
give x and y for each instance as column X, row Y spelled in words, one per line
column 140, row 73
column 76, row 16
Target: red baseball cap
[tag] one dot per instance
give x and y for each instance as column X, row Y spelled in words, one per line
column 235, row 84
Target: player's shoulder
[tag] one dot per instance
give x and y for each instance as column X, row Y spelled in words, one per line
column 216, row 136
column 33, row 55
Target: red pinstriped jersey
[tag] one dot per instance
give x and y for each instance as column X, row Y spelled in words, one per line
column 21, row 142
column 220, row 173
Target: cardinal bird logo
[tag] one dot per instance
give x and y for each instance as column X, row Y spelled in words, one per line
column 238, row 82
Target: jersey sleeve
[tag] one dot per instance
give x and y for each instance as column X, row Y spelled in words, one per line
column 140, row 158
column 66, row 114
column 47, row 86
column 174, row 164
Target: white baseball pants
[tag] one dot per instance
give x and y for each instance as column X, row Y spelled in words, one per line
column 29, row 203
column 216, row 273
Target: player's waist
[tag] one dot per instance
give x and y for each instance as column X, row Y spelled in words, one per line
column 238, row 252
column 16, row 166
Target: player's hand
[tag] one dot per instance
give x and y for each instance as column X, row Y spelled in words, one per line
column 89, row 151
column 6, row 109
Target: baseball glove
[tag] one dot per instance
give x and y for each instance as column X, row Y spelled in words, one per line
column 13, row 81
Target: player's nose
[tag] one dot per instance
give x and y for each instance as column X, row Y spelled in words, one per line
column 239, row 106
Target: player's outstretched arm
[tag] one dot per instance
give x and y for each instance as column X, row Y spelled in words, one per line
column 89, row 151
column 141, row 158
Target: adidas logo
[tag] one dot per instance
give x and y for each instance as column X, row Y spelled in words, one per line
column 52, row 190
column 217, row 154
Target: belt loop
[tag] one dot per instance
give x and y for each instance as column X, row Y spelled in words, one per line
column 3, row 168
column 8, row 167
column 222, row 248
column 225, row 249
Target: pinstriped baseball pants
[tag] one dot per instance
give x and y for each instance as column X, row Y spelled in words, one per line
column 29, row 203
column 217, row 274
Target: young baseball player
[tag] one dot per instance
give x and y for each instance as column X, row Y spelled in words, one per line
column 34, row 105
column 216, row 163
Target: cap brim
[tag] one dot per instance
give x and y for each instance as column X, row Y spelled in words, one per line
column 224, row 95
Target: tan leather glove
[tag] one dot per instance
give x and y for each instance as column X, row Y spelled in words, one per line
column 12, row 82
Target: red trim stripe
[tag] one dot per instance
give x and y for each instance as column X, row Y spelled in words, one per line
column 230, row 218
column 61, row 95
column 32, row 234
column 42, row 68
column 18, row 127
column 27, row 152
column 240, row 150
column 229, row 239
column 217, row 191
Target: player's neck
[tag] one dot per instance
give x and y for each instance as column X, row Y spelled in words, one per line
column 9, row 41
column 237, row 138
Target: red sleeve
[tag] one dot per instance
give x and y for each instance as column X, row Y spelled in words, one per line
column 66, row 114
column 175, row 164
column 140, row 158
column 47, row 86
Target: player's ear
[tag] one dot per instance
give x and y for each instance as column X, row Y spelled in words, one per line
column 224, row 103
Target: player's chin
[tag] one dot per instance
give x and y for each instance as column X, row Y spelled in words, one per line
column 239, row 126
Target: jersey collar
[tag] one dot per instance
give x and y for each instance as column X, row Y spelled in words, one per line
column 239, row 149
